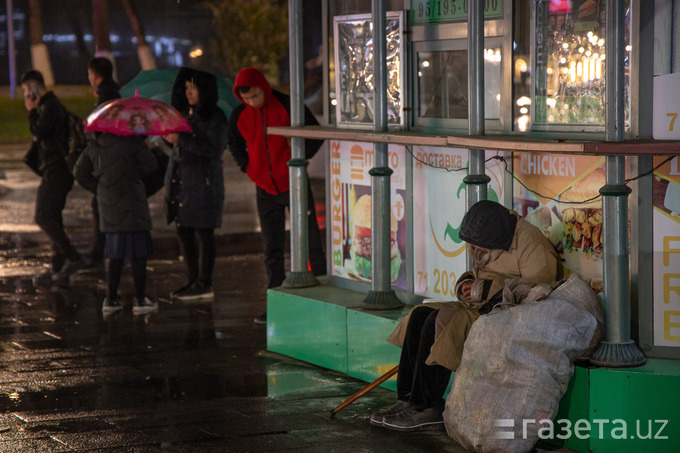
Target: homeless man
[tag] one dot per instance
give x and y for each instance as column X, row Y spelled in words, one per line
column 501, row 245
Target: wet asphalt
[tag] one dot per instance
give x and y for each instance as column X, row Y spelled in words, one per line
column 192, row 377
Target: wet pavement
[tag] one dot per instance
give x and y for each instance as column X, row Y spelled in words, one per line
column 192, row 377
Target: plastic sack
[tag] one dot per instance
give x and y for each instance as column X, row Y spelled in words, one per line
column 516, row 365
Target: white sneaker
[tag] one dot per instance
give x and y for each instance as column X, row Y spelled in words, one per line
column 111, row 305
column 145, row 306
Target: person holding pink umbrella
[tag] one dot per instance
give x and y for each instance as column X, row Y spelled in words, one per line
column 194, row 181
column 114, row 168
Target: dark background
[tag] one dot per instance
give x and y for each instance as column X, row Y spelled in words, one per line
column 173, row 28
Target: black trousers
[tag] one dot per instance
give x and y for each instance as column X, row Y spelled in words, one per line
column 98, row 238
column 421, row 384
column 272, row 212
column 54, row 187
column 138, row 277
column 198, row 249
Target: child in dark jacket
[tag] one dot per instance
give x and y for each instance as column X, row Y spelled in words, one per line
column 114, row 167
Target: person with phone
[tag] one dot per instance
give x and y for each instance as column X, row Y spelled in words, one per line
column 48, row 122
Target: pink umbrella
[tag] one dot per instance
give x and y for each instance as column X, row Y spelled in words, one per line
column 136, row 116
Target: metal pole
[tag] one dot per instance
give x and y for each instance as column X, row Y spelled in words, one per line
column 381, row 296
column 477, row 179
column 618, row 350
column 11, row 51
column 299, row 276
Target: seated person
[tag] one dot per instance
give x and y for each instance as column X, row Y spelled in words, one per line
column 501, row 245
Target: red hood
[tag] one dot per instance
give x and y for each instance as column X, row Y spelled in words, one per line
column 251, row 77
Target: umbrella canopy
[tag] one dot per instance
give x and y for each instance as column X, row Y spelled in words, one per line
column 136, row 116
column 157, row 84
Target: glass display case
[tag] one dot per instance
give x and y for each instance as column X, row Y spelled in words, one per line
column 441, row 83
column 353, row 52
column 569, row 64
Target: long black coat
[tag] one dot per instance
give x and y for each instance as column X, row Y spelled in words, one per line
column 49, row 126
column 114, row 167
column 194, row 180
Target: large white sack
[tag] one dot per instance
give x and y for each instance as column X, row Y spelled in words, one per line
column 516, row 365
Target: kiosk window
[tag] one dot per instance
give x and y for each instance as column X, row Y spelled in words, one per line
column 443, row 84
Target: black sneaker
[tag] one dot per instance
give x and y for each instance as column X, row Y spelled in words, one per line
column 377, row 417
column 196, row 292
column 411, row 419
column 181, row 290
column 70, row 267
column 262, row 319
column 144, row 306
column 111, row 305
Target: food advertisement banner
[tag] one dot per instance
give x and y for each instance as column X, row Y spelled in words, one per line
column 559, row 194
column 439, row 199
column 350, row 198
column 666, row 218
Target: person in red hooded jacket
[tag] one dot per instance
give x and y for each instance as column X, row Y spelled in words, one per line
column 265, row 159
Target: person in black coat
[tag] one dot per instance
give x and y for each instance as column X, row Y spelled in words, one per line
column 114, row 169
column 100, row 76
column 194, row 180
column 48, row 122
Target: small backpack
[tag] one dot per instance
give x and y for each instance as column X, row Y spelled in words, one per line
column 77, row 140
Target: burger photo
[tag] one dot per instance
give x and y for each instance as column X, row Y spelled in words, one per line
column 361, row 251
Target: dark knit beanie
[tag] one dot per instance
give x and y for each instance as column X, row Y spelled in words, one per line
column 489, row 225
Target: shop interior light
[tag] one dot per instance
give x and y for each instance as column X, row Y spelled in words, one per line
column 550, row 102
column 580, row 50
column 549, row 71
column 524, row 110
column 524, row 100
column 586, row 70
column 425, row 64
column 572, row 71
column 628, row 47
column 579, row 69
column 523, row 123
column 600, row 43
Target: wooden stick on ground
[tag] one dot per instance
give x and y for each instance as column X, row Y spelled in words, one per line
column 365, row 390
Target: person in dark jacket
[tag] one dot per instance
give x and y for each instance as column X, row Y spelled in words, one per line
column 194, row 180
column 49, row 125
column 113, row 168
column 100, row 76
column 265, row 159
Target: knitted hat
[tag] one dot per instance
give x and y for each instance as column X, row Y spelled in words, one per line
column 489, row 225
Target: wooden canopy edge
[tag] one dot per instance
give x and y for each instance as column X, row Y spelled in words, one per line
column 492, row 142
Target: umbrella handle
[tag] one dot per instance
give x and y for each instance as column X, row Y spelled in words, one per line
column 365, row 390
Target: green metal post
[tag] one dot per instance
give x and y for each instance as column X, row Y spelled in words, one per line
column 299, row 276
column 618, row 350
column 381, row 296
column 477, row 180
